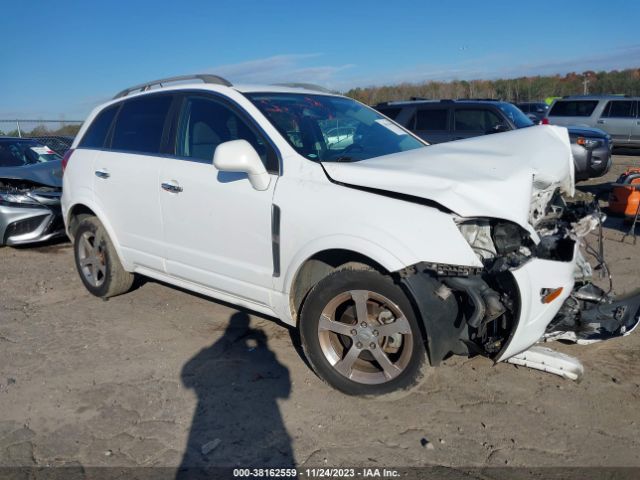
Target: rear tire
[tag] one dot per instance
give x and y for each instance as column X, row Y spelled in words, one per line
column 97, row 262
column 360, row 334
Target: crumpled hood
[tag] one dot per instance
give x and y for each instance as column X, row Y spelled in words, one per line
column 45, row 173
column 489, row 176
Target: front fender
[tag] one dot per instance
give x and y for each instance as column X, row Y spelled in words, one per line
column 363, row 246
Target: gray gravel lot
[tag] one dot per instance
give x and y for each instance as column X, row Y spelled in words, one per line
column 164, row 377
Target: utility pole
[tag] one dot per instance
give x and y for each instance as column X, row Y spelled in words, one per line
column 585, row 85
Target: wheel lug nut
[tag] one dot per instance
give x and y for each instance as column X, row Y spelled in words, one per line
column 376, row 333
column 372, row 345
column 354, row 332
column 359, row 345
column 363, row 324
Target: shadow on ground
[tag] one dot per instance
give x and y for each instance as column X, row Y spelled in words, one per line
column 237, row 421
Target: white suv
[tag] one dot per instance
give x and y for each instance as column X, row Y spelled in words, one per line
column 388, row 254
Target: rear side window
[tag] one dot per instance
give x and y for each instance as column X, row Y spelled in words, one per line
column 573, row 108
column 476, row 120
column 140, row 124
column 619, row 109
column 432, row 119
column 390, row 112
column 99, row 128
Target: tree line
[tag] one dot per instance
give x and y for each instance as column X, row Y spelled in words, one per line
column 69, row 130
column 522, row 89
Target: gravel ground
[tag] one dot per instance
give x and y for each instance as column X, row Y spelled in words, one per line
column 163, row 377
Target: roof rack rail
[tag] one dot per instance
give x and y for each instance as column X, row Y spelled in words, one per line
column 307, row 86
column 479, row 99
column 205, row 77
column 413, row 99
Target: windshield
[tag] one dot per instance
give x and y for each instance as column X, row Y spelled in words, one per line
column 18, row 153
column 519, row 119
column 332, row 129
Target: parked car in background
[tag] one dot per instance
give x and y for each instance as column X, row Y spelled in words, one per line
column 387, row 254
column 617, row 115
column 30, row 190
column 536, row 111
column 438, row 121
column 58, row 143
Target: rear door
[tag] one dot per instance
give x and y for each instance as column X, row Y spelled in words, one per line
column 126, row 176
column 432, row 124
column 474, row 121
column 634, row 139
column 618, row 119
column 217, row 227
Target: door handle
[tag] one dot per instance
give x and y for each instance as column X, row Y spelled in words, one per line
column 171, row 187
column 601, row 121
column 102, row 173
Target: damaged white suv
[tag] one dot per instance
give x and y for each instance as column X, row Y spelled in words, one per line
column 388, row 254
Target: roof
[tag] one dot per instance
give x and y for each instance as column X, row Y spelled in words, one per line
column 215, row 82
column 598, row 97
column 400, row 103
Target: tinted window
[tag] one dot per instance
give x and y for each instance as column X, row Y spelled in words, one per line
column 18, row 153
column 476, row 120
column 140, row 123
column 573, row 108
column 619, row 109
column 99, row 128
column 519, row 119
column 206, row 123
column 390, row 112
column 525, row 107
column 432, row 119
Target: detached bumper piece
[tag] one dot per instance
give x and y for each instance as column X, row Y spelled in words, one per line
column 588, row 316
column 550, row 361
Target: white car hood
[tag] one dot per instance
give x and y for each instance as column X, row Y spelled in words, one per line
column 495, row 175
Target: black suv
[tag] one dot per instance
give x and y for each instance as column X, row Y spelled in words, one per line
column 438, row 121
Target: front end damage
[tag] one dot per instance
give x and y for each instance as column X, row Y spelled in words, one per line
column 534, row 285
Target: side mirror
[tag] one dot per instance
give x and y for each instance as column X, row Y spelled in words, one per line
column 240, row 156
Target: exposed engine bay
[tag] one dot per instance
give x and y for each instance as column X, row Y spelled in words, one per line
column 489, row 297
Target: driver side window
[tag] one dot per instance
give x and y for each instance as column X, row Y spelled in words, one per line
column 206, row 123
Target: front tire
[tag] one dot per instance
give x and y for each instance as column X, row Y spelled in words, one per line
column 360, row 334
column 97, row 261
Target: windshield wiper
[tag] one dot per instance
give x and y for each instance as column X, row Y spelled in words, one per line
column 344, row 159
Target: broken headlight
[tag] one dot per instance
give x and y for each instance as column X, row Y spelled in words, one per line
column 507, row 237
column 491, row 238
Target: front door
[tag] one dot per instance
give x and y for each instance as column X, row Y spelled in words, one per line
column 217, row 227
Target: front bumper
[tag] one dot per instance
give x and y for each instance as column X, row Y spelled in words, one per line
column 534, row 315
column 25, row 225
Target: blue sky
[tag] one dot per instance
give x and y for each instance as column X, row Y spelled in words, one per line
column 61, row 58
